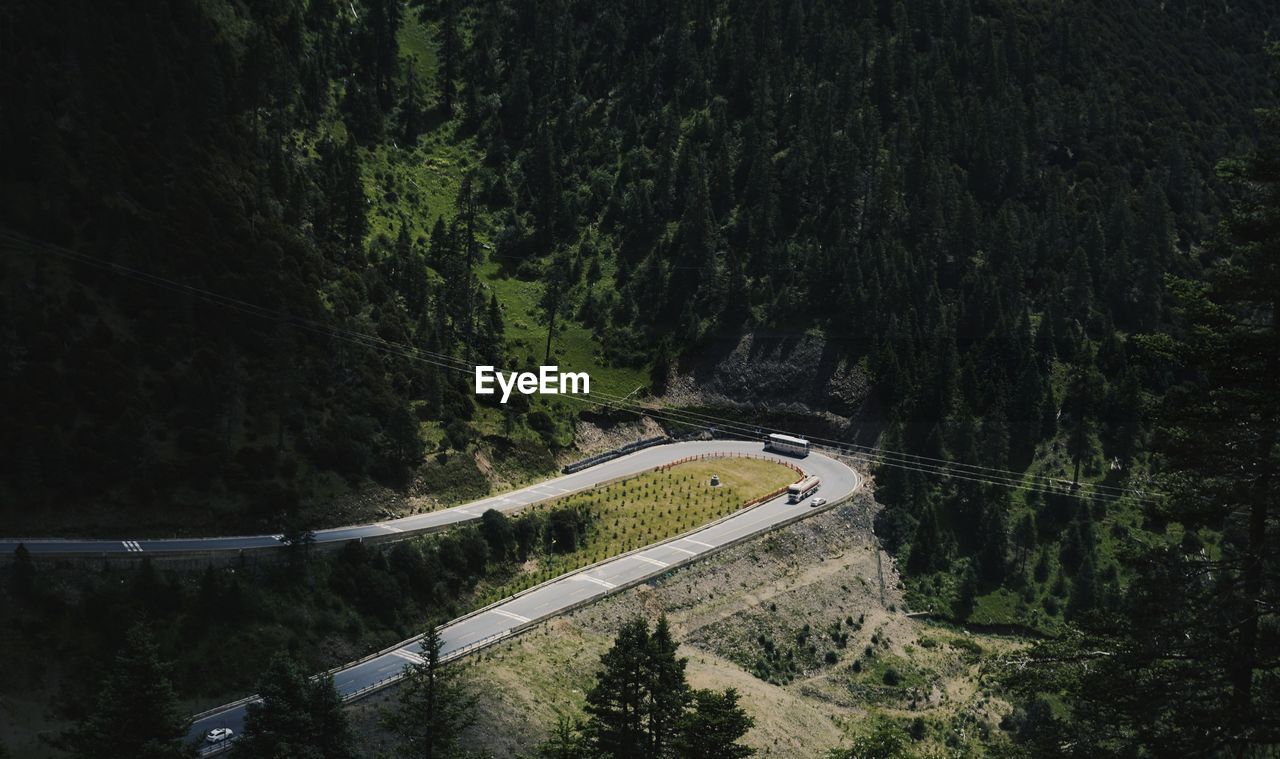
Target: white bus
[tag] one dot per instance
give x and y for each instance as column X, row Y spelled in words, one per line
column 795, row 446
column 803, row 489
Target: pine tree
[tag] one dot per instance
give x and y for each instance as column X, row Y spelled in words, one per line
column 668, row 691
column 412, row 117
column 1080, row 406
column 351, row 206
column 467, row 215
column 1025, row 416
column 498, row 533
column 297, row 716
column 493, row 332
column 404, row 438
column 565, row 742
column 1188, row 665
column 927, row 554
column 966, row 594
column 713, row 726
column 1084, row 588
column 994, row 534
column 617, row 704
column 883, row 740
column 381, row 58
column 434, row 706
column 557, row 296
column 660, row 372
column 332, row 735
column 450, row 52
column 137, row 714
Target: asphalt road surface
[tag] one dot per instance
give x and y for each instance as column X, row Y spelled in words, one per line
column 507, row 502
column 502, row 619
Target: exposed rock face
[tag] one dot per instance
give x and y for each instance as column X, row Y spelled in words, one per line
column 796, row 380
column 787, row 370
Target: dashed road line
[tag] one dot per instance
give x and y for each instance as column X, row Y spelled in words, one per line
column 596, row 580
column 408, row 656
column 682, row 550
column 131, row 546
column 510, row 615
column 648, row 560
column 698, row 543
column 386, row 526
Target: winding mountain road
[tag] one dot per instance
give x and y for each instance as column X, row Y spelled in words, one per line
column 512, row 615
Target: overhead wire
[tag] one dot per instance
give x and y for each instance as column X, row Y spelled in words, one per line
column 881, row 456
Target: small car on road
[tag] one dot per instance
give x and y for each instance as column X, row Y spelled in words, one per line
column 219, row 734
column 817, row 502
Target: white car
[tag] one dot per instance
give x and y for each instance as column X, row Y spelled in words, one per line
column 817, row 502
column 219, row 734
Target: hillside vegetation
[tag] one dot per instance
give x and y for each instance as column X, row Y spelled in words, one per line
column 252, row 247
column 220, row 628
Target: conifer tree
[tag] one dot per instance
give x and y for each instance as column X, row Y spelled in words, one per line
column 617, row 704
column 668, row 693
column 713, row 726
column 434, row 706
column 297, row 716
column 565, row 742
column 557, row 296
column 926, row 545
column 136, row 715
column 642, row 706
column 1188, row 664
column 450, row 53
column 412, row 118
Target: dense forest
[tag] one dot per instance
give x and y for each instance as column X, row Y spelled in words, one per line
column 226, row 295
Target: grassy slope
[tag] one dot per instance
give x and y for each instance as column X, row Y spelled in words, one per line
column 1032, row 603
column 652, row 507
column 420, row 183
column 816, row 573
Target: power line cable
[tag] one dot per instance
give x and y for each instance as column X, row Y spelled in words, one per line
column 883, row 457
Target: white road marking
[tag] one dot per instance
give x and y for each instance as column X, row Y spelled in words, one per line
column 683, row 550
column 648, row 560
column 131, row 545
column 509, row 615
column 698, row 543
column 278, row 537
column 408, row 656
column 386, row 526
column 464, row 511
column 596, row 580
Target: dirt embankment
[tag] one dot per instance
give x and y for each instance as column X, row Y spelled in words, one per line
column 805, row 622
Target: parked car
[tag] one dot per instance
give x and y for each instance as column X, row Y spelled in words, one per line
column 219, row 734
column 817, row 502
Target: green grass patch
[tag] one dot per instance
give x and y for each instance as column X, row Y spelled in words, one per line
column 418, row 43
column 649, row 508
column 573, row 347
column 1001, row 606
